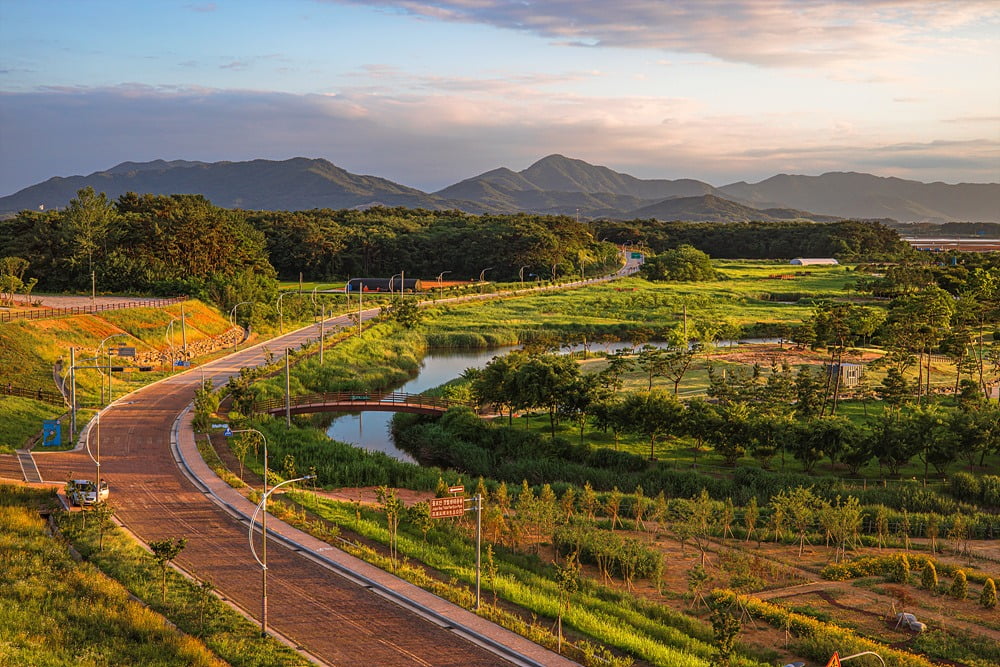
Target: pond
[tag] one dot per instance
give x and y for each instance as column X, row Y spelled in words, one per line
column 371, row 430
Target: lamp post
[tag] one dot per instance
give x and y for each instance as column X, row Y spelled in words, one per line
column 391, row 282
column 262, row 560
column 100, row 353
column 482, row 274
column 440, row 276
column 232, row 318
column 263, row 520
column 520, row 274
column 281, row 315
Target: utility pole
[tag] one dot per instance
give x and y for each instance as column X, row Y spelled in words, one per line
column 288, row 394
column 322, row 322
column 72, row 394
column 184, row 338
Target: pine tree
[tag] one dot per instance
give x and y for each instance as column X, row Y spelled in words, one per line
column 929, row 578
column 988, row 598
column 960, row 586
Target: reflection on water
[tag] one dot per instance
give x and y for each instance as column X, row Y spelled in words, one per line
column 370, row 430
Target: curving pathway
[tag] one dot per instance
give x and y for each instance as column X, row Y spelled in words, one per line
column 340, row 610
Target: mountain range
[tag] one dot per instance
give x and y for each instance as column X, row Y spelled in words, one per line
column 553, row 185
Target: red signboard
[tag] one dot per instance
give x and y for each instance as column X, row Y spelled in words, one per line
column 456, row 489
column 444, row 507
column 834, row 661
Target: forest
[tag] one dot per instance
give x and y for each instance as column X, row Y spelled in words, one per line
column 184, row 244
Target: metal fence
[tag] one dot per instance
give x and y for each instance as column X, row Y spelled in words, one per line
column 37, row 394
column 47, row 313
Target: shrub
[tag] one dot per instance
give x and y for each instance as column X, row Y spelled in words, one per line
column 988, row 598
column 964, row 486
column 900, row 571
column 960, row 586
column 929, row 578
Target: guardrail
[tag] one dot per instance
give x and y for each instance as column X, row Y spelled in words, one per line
column 47, row 313
column 359, row 400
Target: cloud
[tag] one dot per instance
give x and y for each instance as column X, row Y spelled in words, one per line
column 442, row 130
column 773, row 33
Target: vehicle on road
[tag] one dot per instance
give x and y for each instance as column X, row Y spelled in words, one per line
column 84, row 492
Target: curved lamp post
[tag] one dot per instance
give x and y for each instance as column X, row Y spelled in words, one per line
column 262, row 559
column 393, row 278
column 281, row 315
column 440, row 276
column 520, row 273
column 232, row 318
column 482, row 274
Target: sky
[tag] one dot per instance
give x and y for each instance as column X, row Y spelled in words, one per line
column 429, row 93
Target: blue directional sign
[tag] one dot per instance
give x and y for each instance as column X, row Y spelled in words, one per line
column 228, row 432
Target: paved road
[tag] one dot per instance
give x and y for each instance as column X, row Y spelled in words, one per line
column 330, row 616
column 142, row 440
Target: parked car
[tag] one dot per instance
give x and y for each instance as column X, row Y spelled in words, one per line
column 84, row 492
column 909, row 622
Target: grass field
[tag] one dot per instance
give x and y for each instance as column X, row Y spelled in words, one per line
column 55, row 611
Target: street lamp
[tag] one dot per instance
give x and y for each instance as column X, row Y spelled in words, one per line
column 232, row 318
column 263, row 520
column 400, row 274
column 281, row 315
column 262, row 560
column 520, row 274
column 482, row 273
column 440, row 276
column 100, row 353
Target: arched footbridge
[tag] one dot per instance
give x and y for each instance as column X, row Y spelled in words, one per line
column 345, row 401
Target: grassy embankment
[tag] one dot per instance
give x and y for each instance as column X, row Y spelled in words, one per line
column 56, row 611
column 29, row 350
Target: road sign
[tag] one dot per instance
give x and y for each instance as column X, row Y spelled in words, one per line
column 126, row 351
column 445, row 507
column 228, row 432
column 834, row 660
column 456, row 489
column 635, row 255
column 220, row 425
column 51, row 433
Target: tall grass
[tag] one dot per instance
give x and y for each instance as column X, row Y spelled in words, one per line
column 54, row 611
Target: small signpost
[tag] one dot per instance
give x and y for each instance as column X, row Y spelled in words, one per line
column 455, row 506
column 834, row 660
column 445, row 507
column 126, row 351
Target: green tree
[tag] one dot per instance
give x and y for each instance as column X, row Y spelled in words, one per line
column 568, row 581
column 960, row 586
column 683, row 263
column 653, row 415
column 88, row 219
column 393, row 508
column 929, row 578
column 988, row 598
column 165, row 551
column 726, row 628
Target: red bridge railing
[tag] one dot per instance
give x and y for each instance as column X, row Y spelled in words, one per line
column 351, row 401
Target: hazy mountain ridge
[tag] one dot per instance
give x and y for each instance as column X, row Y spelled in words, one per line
column 555, row 184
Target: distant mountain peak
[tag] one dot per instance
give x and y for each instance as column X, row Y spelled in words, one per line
column 554, row 184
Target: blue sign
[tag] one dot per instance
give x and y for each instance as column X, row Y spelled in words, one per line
column 181, row 362
column 51, row 433
column 228, row 432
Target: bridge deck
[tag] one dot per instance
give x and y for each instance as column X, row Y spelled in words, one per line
column 344, row 401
